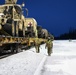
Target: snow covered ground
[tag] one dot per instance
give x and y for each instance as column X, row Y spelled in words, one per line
column 24, row 63
column 63, row 59
column 61, row 62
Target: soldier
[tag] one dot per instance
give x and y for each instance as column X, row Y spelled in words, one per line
column 37, row 45
column 49, row 46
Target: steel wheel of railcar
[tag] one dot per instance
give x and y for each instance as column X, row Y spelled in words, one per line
column 12, row 49
column 0, row 50
column 18, row 48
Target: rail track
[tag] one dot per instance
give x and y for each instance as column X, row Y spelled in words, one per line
column 5, row 55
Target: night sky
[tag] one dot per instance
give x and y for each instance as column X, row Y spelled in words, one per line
column 57, row 16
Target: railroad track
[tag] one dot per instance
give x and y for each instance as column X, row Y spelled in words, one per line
column 8, row 54
column 4, row 56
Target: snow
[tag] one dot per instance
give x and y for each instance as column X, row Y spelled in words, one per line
column 61, row 62
column 63, row 59
column 37, row 72
column 24, row 63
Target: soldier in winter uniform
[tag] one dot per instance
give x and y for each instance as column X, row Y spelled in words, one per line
column 49, row 46
column 37, row 45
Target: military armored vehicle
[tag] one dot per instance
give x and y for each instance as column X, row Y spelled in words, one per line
column 12, row 20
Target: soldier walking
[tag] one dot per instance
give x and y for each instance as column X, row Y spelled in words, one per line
column 49, row 46
column 37, row 45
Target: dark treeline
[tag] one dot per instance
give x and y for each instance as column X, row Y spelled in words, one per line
column 69, row 35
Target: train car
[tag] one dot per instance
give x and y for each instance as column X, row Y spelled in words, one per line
column 16, row 31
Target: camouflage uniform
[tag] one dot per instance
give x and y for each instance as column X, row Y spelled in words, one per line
column 49, row 46
column 37, row 45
